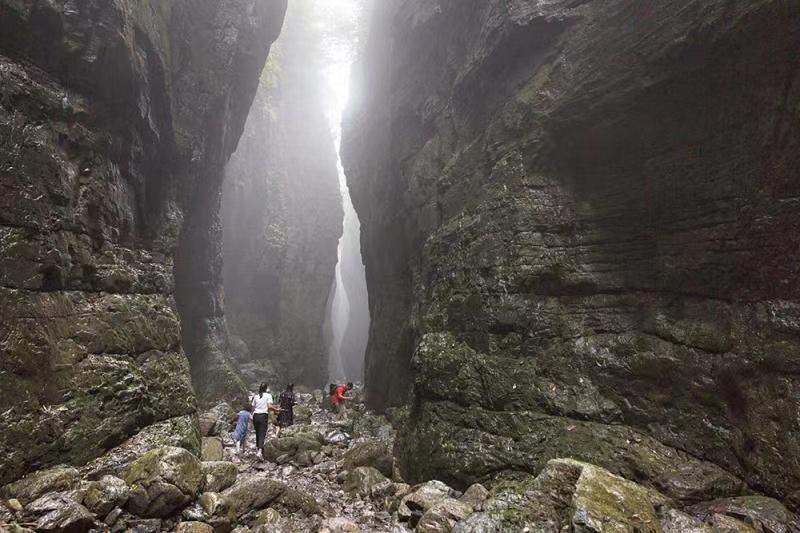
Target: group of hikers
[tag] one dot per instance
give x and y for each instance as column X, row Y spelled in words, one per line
column 260, row 405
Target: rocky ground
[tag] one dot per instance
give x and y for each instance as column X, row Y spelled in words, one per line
column 336, row 474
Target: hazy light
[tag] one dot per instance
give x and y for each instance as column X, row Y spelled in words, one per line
column 339, row 44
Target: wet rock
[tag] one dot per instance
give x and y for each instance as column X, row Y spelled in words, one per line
column 219, row 475
column 421, row 498
column 193, row 527
column 269, row 518
column 212, row 449
column 41, row 482
column 7, row 515
column 400, row 491
column 674, row 521
column 573, row 495
column 475, row 496
column 759, row 512
column 297, row 447
column 180, row 431
column 163, row 480
column 144, row 525
column 721, row 523
column 443, row 516
column 214, row 509
column 372, row 453
column 502, row 239
column 84, row 279
column 113, row 517
column 486, row 523
column 101, row 496
column 367, row 482
column 302, row 414
column 602, row 500
column 337, row 437
column 319, row 396
column 339, row 525
column 13, row 505
column 217, row 422
column 57, row 511
column 256, row 492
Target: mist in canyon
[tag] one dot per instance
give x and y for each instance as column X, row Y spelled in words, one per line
column 556, row 245
column 295, row 291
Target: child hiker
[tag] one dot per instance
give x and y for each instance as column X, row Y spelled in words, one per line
column 239, row 434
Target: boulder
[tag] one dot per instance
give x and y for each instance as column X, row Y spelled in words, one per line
column 31, row 487
column 475, row 496
column 298, row 447
column 57, row 511
column 180, row 431
column 372, row 453
column 214, row 509
column 569, row 495
column 102, row 496
column 721, row 523
column 193, row 527
column 211, row 449
column 339, row 525
column 269, row 517
column 603, row 500
column 302, row 414
column 113, row 517
column 254, row 492
column 367, row 482
column 144, row 525
column 759, row 512
column 337, row 437
column 218, row 475
column 163, row 480
column 443, row 516
column 421, row 498
column 271, row 521
column 674, row 521
column 217, row 421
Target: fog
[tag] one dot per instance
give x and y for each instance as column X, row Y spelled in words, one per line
column 348, row 314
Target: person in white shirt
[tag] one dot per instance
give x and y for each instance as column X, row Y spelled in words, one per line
column 262, row 405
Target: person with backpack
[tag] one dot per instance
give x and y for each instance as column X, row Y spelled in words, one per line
column 338, row 397
column 286, row 401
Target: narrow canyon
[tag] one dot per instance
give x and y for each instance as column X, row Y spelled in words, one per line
column 461, row 266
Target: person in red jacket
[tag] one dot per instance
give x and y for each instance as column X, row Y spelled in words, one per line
column 338, row 397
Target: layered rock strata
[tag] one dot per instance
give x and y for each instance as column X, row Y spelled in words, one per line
column 581, row 220
column 116, row 120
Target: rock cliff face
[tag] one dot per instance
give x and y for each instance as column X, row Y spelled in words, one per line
column 282, row 216
column 581, row 219
column 116, row 120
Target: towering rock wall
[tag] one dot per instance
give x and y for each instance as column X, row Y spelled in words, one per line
column 116, row 120
column 282, row 215
column 581, row 220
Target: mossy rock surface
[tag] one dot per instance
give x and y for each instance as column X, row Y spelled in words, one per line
column 570, row 495
column 372, row 453
column 103, row 495
column 163, row 480
column 37, row 484
column 181, row 431
column 298, row 446
column 255, row 492
column 219, row 475
column 462, row 445
column 366, row 481
column 211, row 449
